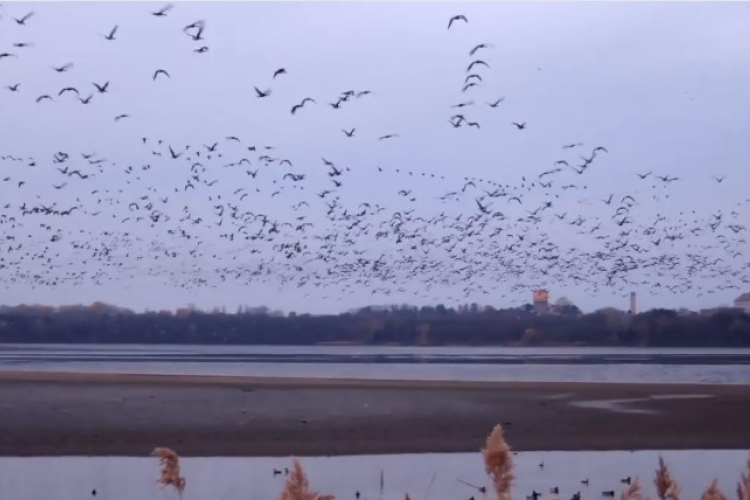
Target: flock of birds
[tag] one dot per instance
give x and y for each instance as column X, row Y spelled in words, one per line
column 232, row 210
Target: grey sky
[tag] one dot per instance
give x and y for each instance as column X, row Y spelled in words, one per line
column 663, row 86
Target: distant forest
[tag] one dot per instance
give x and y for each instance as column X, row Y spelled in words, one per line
column 101, row 323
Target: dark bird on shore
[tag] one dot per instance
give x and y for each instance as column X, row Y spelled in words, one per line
column 120, row 117
column 555, row 490
column 626, row 480
column 63, row 68
column 496, row 103
column 160, row 71
column 349, row 133
column 520, row 126
column 280, row 71
column 101, row 88
column 475, row 63
column 459, row 17
column 13, row 88
column 68, row 89
column 718, row 179
column 260, row 93
column 585, row 481
column 42, row 97
column 111, row 36
column 387, row 136
column 163, row 11
column 480, row 46
column 609, row 493
column 22, row 21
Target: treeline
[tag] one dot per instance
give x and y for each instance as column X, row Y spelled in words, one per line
column 100, row 323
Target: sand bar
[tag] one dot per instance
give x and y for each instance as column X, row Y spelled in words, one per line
column 111, row 414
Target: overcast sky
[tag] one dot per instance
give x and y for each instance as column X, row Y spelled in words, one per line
column 663, row 86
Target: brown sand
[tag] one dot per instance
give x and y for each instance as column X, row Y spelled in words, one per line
column 79, row 414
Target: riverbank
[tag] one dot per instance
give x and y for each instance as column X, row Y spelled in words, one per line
column 108, row 414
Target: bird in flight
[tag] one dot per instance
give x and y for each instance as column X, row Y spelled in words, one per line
column 474, row 63
column 101, row 88
column 120, row 117
column 7, row 54
column 261, row 93
column 163, row 11
column 459, row 17
column 718, row 179
column 13, row 88
column 68, row 89
column 201, row 50
column 387, row 136
column 520, row 126
column 300, row 105
column 63, row 68
column 480, row 46
column 643, row 176
column 280, row 71
column 111, row 36
column 349, row 133
column 496, row 103
column 160, row 71
column 43, row 97
column 22, row 21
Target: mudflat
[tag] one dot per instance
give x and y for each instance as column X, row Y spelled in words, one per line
column 102, row 414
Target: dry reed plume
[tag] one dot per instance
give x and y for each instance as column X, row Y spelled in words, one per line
column 666, row 487
column 743, row 487
column 498, row 463
column 169, row 462
column 633, row 492
column 297, row 487
column 713, row 492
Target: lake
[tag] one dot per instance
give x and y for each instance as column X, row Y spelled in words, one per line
column 566, row 364
column 429, row 476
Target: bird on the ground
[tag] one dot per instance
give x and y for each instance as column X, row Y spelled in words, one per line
column 459, row 17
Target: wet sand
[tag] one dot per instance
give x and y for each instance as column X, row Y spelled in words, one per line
column 97, row 414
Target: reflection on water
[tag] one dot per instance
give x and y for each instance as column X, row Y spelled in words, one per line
column 713, row 366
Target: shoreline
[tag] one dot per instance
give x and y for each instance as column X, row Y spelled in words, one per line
column 74, row 414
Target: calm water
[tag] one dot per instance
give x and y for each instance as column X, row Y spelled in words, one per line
column 73, row 478
column 711, row 366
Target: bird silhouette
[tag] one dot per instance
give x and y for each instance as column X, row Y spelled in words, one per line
column 262, row 93
column 459, row 17
column 163, row 11
column 160, row 72
column 111, row 35
column 22, row 21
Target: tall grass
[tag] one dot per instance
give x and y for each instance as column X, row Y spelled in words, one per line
column 498, row 465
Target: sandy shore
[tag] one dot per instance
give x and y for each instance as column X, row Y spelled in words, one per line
column 85, row 414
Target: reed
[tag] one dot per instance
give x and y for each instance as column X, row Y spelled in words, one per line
column 169, row 461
